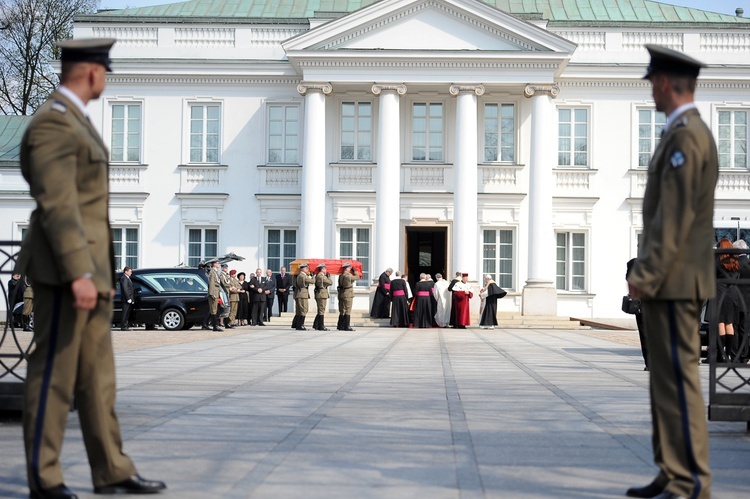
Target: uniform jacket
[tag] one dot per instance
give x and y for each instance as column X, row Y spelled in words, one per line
column 65, row 163
column 302, row 281
column 214, row 284
column 321, row 285
column 346, row 285
column 675, row 257
column 126, row 288
column 234, row 283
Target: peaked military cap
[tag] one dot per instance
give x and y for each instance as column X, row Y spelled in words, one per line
column 346, row 265
column 87, row 50
column 666, row 60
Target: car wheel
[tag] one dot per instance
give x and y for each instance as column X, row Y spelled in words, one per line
column 172, row 319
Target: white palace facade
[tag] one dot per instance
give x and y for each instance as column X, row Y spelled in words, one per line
column 501, row 137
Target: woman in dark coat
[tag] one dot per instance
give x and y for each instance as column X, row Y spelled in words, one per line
column 399, row 303
column 243, row 310
column 490, row 293
column 381, row 303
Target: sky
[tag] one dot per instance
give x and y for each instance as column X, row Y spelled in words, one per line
column 721, row 6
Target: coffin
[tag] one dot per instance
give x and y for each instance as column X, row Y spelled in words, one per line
column 333, row 266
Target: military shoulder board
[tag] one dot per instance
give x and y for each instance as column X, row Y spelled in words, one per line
column 60, row 107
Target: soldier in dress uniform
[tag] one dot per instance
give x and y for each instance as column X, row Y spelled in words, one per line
column 301, row 297
column 214, row 293
column 234, row 296
column 225, row 279
column 68, row 254
column 346, row 296
column 673, row 274
column 322, row 281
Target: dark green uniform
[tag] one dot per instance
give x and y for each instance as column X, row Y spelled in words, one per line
column 321, row 298
column 346, row 298
column 675, row 270
column 301, row 299
column 65, row 163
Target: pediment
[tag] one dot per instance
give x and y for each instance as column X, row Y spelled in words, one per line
column 429, row 25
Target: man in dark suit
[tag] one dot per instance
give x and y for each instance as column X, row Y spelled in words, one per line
column 257, row 297
column 673, row 274
column 270, row 288
column 68, row 254
column 284, row 283
column 127, row 297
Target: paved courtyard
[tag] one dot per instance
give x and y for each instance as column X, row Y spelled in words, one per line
column 385, row 413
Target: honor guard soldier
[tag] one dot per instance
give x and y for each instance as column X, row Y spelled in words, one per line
column 301, row 297
column 214, row 294
column 322, row 281
column 68, row 254
column 346, row 296
column 28, row 306
column 674, row 274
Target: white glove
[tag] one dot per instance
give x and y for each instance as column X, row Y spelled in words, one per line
column 130, row 301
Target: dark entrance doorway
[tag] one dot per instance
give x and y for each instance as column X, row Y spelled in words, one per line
column 426, row 251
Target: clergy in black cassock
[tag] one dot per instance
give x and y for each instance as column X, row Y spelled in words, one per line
column 425, row 307
column 399, row 303
column 381, row 303
column 490, row 293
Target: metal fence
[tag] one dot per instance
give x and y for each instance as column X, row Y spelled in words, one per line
column 729, row 378
column 15, row 345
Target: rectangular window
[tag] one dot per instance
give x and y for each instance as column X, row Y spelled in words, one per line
column 650, row 127
column 427, row 131
column 356, row 131
column 732, row 139
column 497, row 256
column 499, row 133
column 354, row 244
column 283, row 134
column 126, row 133
column 125, row 242
column 572, row 137
column 571, row 261
column 282, row 248
column 204, row 133
column 203, row 244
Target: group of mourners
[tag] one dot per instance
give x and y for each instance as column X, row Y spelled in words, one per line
column 437, row 303
column 733, row 302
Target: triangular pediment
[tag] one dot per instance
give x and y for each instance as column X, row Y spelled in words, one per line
column 429, row 25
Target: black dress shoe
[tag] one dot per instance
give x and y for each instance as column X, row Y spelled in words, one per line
column 653, row 489
column 57, row 492
column 133, row 485
column 302, row 328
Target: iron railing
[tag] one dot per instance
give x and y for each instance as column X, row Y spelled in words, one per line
column 729, row 381
column 14, row 344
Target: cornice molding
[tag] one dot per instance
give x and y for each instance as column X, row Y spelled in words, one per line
column 304, row 87
column 456, row 89
column 399, row 88
column 207, row 80
column 531, row 90
column 421, row 64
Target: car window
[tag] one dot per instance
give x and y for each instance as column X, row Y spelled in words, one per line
column 174, row 283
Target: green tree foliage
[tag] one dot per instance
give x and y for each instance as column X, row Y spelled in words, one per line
column 28, row 32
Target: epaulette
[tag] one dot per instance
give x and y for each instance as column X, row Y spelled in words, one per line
column 681, row 122
column 60, row 107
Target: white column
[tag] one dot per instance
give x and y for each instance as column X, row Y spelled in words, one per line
column 539, row 294
column 312, row 219
column 465, row 174
column 388, row 186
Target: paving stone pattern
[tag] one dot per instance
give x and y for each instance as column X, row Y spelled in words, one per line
column 385, row 413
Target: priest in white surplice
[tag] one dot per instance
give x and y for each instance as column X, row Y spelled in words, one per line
column 444, row 298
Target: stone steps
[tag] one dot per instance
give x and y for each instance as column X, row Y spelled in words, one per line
column 506, row 320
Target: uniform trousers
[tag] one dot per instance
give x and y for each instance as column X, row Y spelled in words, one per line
column 73, row 355
column 680, row 434
column 322, row 305
column 301, row 305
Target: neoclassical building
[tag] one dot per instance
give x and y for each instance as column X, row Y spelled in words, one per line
column 496, row 136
